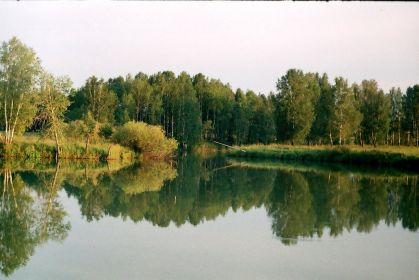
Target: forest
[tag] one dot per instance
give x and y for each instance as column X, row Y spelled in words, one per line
column 306, row 108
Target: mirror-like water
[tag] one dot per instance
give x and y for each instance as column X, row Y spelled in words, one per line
column 207, row 219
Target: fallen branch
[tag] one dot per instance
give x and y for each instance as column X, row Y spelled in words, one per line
column 228, row 146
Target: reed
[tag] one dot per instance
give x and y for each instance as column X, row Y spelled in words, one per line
column 31, row 148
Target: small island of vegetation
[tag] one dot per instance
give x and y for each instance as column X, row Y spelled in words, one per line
column 308, row 118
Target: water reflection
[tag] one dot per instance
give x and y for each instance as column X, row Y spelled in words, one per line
column 301, row 202
column 28, row 218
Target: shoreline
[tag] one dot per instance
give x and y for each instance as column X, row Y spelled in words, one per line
column 68, row 151
column 380, row 156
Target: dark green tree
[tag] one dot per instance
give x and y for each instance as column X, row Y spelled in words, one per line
column 411, row 113
column 322, row 130
column 297, row 94
column 375, row 108
column 95, row 97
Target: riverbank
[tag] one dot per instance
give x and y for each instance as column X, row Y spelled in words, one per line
column 388, row 156
column 31, row 148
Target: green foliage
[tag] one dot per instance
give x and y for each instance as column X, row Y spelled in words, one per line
column 395, row 158
column 75, row 130
column 375, row 108
column 322, row 128
column 82, row 130
column 346, row 118
column 147, row 139
column 38, row 150
column 53, row 104
column 37, row 219
column 306, row 108
column 396, row 116
column 148, row 177
column 106, row 131
column 411, row 113
column 301, row 201
column 241, row 118
column 19, row 70
column 121, row 88
column 297, row 94
column 93, row 97
column 261, row 117
column 141, row 96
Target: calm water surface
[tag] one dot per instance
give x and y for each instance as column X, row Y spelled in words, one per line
column 207, row 219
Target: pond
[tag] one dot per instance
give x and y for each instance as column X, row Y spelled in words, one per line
column 207, row 219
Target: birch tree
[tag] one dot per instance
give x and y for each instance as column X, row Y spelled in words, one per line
column 396, row 114
column 295, row 112
column 53, row 104
column 19, row 70
column 141, row 95
column 346, row 116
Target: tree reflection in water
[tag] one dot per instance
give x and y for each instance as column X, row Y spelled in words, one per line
column 28, row 218
column 301, row 202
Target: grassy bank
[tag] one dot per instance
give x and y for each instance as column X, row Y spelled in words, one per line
column 321, row 167
column 34, row 148
column 399, row 157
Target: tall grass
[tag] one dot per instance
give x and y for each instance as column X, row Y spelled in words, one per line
column 400, row 157
column 34, row 147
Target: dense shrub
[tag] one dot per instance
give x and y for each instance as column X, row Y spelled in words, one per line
column 106, row 131
column 147, row 139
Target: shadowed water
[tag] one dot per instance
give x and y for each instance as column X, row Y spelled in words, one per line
column 207, row 219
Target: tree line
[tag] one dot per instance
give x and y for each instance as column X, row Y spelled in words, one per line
column 306, row 108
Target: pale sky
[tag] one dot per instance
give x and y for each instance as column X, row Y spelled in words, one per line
column 248, row 44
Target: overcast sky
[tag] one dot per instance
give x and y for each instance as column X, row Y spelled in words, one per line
column 247, row 44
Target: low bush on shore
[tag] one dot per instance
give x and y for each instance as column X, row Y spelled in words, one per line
column 146, row 139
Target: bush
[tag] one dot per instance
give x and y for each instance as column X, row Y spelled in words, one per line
column 147, row 139
column 75, row 130
column 106, row 131
column 81, row 129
